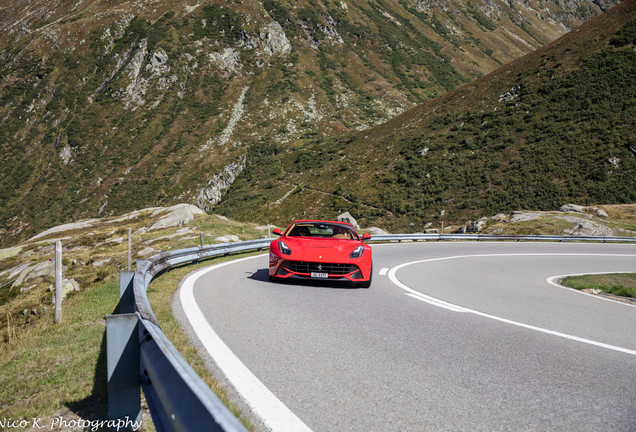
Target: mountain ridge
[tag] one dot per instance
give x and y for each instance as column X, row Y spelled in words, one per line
column 108, row 109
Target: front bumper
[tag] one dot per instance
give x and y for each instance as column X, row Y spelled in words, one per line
column 291, row 269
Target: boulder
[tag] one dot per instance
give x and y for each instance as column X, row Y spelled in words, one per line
column 227, row 239
column 180, row 214
column 500, row 217
column 476, row 226
column 375, row 231
column 146, row 251
column 584, row 227
column 572, row 208
column 524, row 216
column 101, row 262
column 601, row 213
column 229, row 60
column 68, row 286
column 274, row 39
column 346, row 217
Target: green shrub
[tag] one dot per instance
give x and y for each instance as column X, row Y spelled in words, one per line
column 626, row 35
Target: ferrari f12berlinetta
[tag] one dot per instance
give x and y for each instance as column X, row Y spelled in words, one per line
column 321, row 250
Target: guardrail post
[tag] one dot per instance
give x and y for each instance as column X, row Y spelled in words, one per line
column 122, row 358
column 58, row 281
column 129, row 248
column 126, row 293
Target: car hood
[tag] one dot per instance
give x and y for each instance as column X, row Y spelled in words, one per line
column 330, row 246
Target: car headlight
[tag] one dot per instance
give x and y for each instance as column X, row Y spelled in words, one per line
column 357, row 252
column 283, row 248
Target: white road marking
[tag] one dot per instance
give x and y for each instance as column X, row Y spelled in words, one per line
column 440, row 303
column 273, row 413
column 434, row 302
column 383, row 271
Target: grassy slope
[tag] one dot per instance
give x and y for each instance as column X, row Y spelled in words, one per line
column 66, row 362
column 46, row 367
column 562, row 137
column 49, row 370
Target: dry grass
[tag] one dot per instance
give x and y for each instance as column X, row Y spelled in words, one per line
column 49, row 367
column 49, row 370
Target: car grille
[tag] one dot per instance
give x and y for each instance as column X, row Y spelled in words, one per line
column 309, row 267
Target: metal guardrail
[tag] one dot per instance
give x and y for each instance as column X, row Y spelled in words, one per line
column 495, row 237
column 140, row 354
column 179, row 400
column 147, row 269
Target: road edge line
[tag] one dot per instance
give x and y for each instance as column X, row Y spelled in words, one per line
column 270, row 410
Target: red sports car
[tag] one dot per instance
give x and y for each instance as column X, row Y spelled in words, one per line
column 323, row 250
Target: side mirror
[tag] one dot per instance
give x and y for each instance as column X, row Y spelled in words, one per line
column 366, row 236
column 277, row 232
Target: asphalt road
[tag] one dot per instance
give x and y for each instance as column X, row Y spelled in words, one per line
column 450, row 337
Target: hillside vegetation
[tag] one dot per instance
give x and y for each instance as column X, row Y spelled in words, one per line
column 108, row 107
column 553, row 127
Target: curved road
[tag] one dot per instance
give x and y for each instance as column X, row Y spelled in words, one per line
column 450, row 337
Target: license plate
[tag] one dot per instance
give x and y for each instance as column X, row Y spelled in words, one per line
column 319, row 275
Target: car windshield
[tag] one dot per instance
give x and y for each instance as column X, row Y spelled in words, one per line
column 321, row 230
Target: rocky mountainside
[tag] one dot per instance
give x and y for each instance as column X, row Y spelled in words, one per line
column 553, row 127
column 108, row 107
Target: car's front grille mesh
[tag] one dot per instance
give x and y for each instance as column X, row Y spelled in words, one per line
column 311, row 267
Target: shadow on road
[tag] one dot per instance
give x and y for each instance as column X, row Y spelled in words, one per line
column 262, row 275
